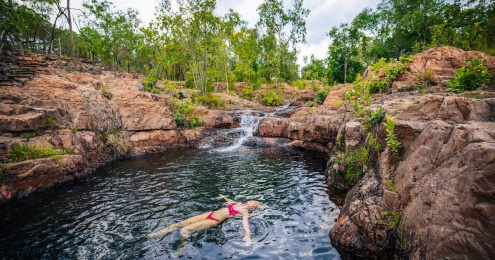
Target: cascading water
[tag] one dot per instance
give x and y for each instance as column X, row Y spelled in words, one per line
column 248, row 128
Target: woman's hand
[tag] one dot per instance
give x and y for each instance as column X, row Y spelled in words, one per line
column 225, row 198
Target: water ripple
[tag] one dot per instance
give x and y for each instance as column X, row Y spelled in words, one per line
column 108, row 214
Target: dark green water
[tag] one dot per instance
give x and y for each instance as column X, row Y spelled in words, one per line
column 109, row 214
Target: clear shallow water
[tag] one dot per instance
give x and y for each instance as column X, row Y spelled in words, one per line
column 109, row 214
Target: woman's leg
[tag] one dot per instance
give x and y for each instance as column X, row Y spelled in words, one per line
column 203, row 224
column 184, row 223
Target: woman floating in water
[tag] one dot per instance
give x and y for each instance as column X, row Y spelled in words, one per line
column 214, row 218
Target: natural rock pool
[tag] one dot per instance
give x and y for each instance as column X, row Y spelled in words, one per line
column 108, row 214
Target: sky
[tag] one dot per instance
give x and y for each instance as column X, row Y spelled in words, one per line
column 324, row 14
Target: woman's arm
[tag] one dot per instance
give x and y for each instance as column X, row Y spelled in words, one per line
column 225, row 198
column 245, row 223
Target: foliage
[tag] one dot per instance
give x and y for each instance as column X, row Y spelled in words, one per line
column 314, row 70
column 211, row 101
column 309, row 104
column 105, row 91
column 393, row 218
column 247, row 93
column 51, row 123
column 21, row 152
column 321, row 96
column 391, row 70
column 299, row 83
column 355, row 162
column 343, row 64
column 377, row 116
column 271, row 98
column 183, row 113
column 358, row 95
column 374, row 143
column 392, row 141
column 27, row 135
column 427, row 76
column 470, row 76
column 149, row 83
column 338, row 140
column 391, row 185
column 113, row 141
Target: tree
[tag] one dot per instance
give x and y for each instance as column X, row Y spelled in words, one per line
column 343, row 65
column 314, row 70
column 279, row 31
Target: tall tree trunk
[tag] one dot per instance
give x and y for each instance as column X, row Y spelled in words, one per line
column 71, row 39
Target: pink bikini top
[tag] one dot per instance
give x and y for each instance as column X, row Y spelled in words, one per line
column 232, row 211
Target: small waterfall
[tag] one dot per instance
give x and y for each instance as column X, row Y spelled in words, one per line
column 248, row 128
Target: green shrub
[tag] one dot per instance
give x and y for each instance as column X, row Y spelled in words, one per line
column 189, row 80
column 391, row 185
column 105, row 91
column 393, row 218
column 321, row 96
column 183, row 114
column 299, row 83
column 211, row 101
column 27, row 135
column 51, row 123
column 355, row 162
column 377, row 116
column 392, row 141
column 310, row 103
column 247, row 93
column 338, row 140
column 377, row 86
column 21, row 152
column 271, row 99
column 470, row 77
column 149, row 83
column 374, row 143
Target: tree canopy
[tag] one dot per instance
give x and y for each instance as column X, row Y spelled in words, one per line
column 196, row 45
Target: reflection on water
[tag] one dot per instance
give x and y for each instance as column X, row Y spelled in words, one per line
column 109, row 214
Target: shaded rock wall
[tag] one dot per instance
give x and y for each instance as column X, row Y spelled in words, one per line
column 444, row 187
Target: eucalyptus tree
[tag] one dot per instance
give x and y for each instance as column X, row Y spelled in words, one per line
column 113, row 36
column 280, row 30
column 343, row 52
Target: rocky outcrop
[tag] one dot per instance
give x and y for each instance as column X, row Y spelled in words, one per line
column 100, row 117
column 312, row 128
column 442, row 63
column 437, row 201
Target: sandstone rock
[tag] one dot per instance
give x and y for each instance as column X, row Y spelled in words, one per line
column 352, row 135
column 217, row 119
column 443, row 62
column 444, row 185
column 449, row 171
column 152, row 141
column 336, row 98
column 145, row 116
column 273, row 127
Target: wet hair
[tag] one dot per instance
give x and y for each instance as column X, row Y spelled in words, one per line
column 251, row 202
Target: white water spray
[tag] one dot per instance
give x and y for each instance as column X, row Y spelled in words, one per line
column 248, row 127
